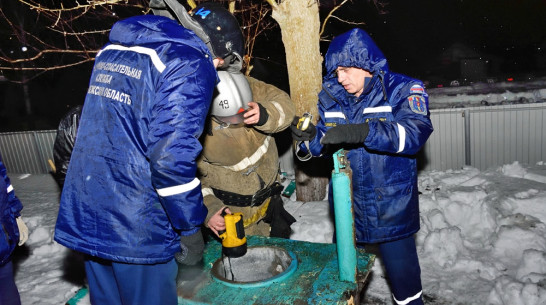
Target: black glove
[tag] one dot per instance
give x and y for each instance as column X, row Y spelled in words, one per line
column 192, row 247
column 348, row 133
column 302, row 135
column 263, row 115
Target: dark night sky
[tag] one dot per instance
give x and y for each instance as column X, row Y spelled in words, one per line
column 414, row 34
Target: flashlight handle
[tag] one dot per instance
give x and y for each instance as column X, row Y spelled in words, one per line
column 304, row 121
column 235, row 224
column 240, row 228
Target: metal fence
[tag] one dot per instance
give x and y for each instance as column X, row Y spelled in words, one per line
column 27, row 152
column 486, row 136
column 481, row 137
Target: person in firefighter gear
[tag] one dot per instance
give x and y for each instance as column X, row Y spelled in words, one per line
column 381, row 118
column 131, row 200
column 239, row 166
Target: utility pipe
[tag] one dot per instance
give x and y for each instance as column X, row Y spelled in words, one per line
column 344, row 218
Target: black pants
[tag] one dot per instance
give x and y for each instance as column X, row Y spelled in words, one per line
column 278, row 218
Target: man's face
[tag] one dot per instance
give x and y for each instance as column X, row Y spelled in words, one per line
column 352, row 79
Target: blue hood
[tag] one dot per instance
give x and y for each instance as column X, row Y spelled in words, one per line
column 354, row 48
column 149, row 29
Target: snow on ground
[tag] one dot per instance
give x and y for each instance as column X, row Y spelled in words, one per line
column 482, row 238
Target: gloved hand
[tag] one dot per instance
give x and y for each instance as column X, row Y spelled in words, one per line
column 347, row 133
column 302, row 135
column 23, row 230
column 192, row 247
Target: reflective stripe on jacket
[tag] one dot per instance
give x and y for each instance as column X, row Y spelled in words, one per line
column 131, row 186
column 384, row 168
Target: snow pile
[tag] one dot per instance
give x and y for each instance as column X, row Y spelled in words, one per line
column 488, row 228
column 482, row 238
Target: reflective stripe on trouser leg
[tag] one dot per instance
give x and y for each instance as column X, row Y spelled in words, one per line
column 404, row 274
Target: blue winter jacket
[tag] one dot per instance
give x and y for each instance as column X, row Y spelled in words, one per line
column 10, row 208
column 384, row 167
column 131, row 186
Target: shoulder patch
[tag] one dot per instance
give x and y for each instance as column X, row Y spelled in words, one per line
column 417, row 104
column 417, row 89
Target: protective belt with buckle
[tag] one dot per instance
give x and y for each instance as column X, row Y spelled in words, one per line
column 238, row 200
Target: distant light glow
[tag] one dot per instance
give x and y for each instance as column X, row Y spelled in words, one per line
column 510, row 79
column 24, row 49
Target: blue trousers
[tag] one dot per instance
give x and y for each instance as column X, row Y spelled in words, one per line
column 9, row 295
column 115, row 283
column 403, row 271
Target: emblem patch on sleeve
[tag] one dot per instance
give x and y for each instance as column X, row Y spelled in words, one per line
column 417, row 104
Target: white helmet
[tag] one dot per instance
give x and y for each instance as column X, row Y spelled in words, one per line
column 231, row 97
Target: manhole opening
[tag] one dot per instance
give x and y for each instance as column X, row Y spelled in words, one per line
column 259, row 264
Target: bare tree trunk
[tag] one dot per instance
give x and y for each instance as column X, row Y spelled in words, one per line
column 300, row 24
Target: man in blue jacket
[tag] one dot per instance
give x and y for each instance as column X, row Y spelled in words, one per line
column 381, row 118
column 131, row 194
column 14, row 233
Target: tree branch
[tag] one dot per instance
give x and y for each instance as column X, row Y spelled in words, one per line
column 330, row 14
column 47, row 68
column 273, row 4
column 92, row 4
column 43, row 52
